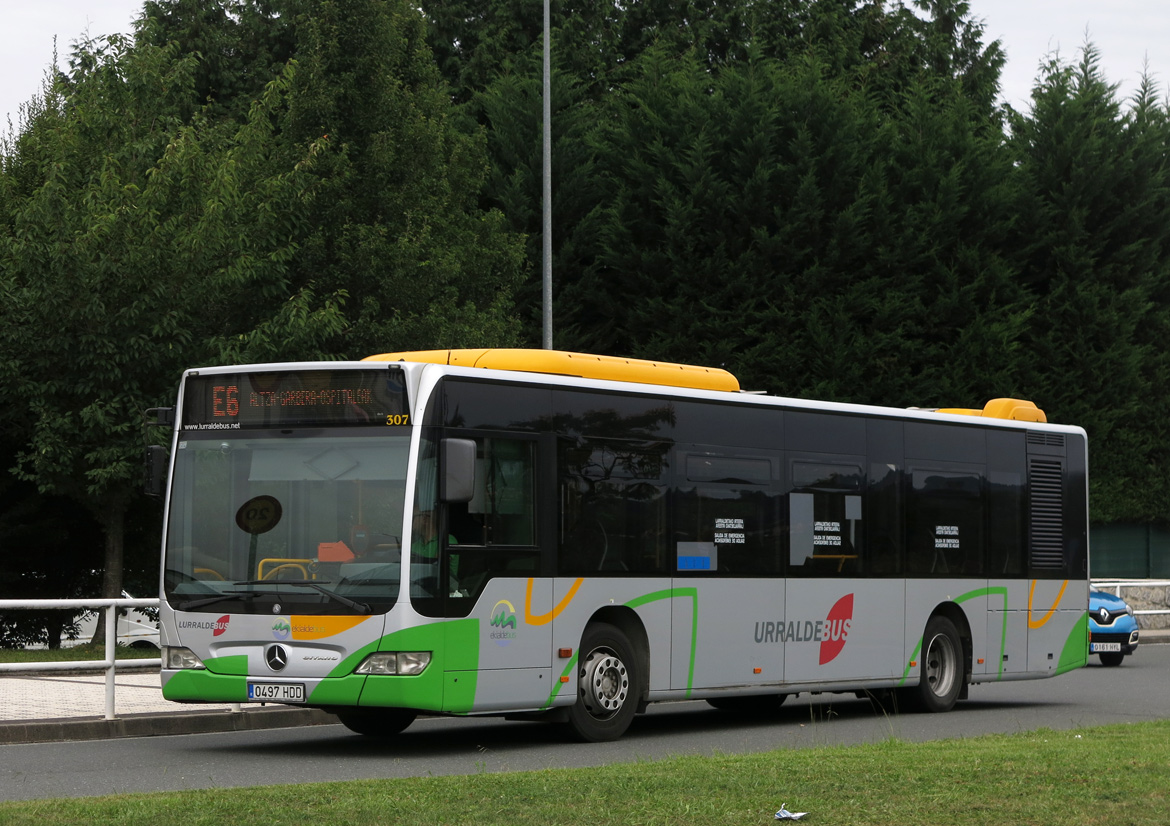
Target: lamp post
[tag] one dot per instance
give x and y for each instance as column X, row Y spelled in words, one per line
column 546, row 292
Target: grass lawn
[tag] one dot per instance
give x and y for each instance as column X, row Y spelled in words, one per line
column 1109, row 775
column 88, row 651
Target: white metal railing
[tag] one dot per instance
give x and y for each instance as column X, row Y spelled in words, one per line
column 1116, row 585
column 109, row 664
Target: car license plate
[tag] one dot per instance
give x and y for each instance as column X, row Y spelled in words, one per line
column 277, row 692
column 1098, row 647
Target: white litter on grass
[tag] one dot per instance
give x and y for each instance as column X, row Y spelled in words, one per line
column 784, row 814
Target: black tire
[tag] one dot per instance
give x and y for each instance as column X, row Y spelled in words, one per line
column 1111, row 658
column 757, row 704
column 382, row 722
column 942, row 669
column 609, row 685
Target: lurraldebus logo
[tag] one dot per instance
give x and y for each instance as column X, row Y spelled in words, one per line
column 216, row 628
column 832, row 632
column 836, row 630
column 503, row 623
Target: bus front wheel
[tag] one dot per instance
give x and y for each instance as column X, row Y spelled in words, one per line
column 942, row 670
column 608, row 685
column 385, row 722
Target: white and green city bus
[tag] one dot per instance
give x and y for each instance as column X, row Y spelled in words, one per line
column 566, row 537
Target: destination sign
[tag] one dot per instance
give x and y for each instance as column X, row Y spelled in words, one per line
column 296, row 398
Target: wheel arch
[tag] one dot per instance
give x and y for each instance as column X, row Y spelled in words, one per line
column 627, row 621
column 962, row 623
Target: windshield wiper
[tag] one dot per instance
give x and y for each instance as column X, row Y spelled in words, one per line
column 360, row 607
column 226, row 595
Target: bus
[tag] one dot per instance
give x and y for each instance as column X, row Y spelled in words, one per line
column 565, row 537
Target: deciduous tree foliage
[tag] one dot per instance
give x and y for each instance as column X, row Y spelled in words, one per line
column 132, row 240
column 185, row 198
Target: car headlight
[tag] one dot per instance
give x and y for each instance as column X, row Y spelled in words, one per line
column 176, row 658
column 402, row 663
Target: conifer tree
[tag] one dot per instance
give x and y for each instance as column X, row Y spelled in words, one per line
column 1092, row 251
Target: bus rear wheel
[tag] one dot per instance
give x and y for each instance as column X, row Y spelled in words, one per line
column 382, row 722
column 608, row 685
column 942, row 670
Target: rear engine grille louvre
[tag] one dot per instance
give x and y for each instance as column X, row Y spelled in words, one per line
column 1046, row 439
column 1047, row 513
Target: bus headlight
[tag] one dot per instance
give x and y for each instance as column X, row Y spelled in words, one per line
column 176, row 658
column 402, row 663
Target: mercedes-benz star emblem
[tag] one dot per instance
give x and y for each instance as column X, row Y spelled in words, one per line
column 276, row 657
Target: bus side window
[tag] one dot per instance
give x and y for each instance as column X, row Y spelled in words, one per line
column 726, row 515
column 945, row 521
column 613, row 507
column 825, row 519
column 502, row 511
column 883, row 528
column 493, row 534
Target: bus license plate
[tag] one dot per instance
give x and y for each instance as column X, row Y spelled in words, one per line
column 277, row 692
column 1098, row 647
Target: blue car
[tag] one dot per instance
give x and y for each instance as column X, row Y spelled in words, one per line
column 1113, row 630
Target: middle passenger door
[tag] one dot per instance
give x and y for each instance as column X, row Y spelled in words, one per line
column 727, row 560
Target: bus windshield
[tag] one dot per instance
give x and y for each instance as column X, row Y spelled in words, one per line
column 288, row 521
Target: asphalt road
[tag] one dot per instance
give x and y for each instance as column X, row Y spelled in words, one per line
column 1095, row 695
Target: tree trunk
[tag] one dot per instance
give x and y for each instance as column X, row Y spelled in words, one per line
column 113, row 522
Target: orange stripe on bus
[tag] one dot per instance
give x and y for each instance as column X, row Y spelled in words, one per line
column 1041, row 622
column 545, row 619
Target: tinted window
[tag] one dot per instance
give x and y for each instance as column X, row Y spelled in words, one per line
column 1006, row 472
column 946, row 443
column 456, row 550
column 707, row 468
column 727, row 517
column 824, row 433
column 1075, row 514
column 613, row 416
column 613, row 506
column 726, row 529
column 824, row 519
column 884, row 523
column 728, row 424
column 824, row 476
column 503, row 509
column 1005, row 523
column 491, row 406
column 945, row 521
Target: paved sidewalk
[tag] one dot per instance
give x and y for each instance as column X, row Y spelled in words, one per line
column 59, row 706
column 69, row 695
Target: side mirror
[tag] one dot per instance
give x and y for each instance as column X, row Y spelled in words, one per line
column 160, row 416
column 456, row 470
column 154, row 480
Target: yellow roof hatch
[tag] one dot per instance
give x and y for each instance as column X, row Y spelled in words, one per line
column 583, row 365
column 1016, row 409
